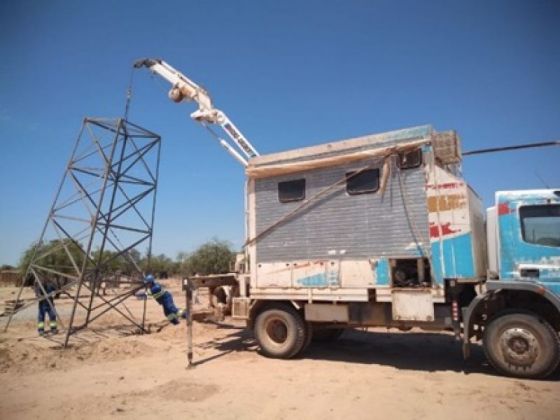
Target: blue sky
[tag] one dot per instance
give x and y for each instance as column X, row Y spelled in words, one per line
column 288, row 73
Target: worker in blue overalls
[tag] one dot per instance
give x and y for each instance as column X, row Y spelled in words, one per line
column 165, row 299
column 46, row 307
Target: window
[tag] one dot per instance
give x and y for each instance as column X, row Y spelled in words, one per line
column 541, row 224
column 409, row 160
column 291, row 190
column 362, row 182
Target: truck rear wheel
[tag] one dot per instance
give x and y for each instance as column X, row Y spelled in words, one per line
column 280, row 331
column 522, row 345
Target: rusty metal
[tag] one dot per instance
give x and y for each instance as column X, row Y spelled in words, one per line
column 103, row 209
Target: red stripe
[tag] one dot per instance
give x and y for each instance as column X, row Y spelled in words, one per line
column 503, row 208
column 447, row 185
column 444, row 228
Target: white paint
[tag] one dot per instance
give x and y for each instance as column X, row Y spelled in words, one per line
column 492, row 241
column 356, row 273
column 412, row 305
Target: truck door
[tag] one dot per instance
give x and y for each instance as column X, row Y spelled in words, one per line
column 530, row 240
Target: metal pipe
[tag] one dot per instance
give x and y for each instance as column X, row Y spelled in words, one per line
column 189, row 298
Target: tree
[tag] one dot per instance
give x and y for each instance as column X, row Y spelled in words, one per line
column 51, row 255
column 160, row 265
column 214, row 257
column 110, row 262
column 127, row 266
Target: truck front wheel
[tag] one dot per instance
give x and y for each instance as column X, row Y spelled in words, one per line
column 280, row 331
column 522, row 345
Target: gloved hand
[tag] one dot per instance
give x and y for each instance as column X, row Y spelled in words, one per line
column 141, row 295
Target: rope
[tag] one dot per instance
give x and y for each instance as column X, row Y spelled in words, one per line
column 129, row 94
column 412, row 225
column 211, row 131
column 126, row 112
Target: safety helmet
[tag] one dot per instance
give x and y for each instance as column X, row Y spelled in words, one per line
column 149, row 278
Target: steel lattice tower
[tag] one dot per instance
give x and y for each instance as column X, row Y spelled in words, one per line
column 103, row 210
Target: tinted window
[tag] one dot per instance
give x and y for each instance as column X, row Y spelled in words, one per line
column 363, row 182
column 541, row 224
column 409, row 160
column 291, row 190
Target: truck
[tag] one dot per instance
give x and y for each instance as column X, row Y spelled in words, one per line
column 383, row 230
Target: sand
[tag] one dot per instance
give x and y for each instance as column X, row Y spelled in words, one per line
column 110, row 371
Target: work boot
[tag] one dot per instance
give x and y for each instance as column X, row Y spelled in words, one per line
column 41, row 328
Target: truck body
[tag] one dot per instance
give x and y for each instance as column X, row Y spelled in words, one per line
column 383, row 230
column 396, row 225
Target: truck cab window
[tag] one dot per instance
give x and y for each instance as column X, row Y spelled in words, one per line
column 289, row 191
column 541, row 224
column 409, row 160
column 364, row 182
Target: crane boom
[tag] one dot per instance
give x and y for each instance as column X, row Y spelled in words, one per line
column 184, row 89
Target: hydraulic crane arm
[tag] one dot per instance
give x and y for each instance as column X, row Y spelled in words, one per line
column 184, row 89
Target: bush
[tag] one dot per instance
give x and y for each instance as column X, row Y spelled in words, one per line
column 214, row 257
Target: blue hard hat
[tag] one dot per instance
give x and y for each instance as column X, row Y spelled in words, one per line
column 149, row 278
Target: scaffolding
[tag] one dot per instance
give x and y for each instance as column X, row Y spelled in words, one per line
column 102, row 213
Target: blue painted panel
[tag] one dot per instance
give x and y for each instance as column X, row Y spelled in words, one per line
column 436, row 267
column 316, row 280
column 382, row 273
column 514, row 250
column 458, row 260
column 458, row 255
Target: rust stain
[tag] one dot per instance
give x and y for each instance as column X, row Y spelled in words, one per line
column 446, row 202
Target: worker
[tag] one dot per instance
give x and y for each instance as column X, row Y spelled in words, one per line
column 46, row 307
column 165, row 299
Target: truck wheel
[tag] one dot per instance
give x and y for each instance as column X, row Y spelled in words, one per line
column 308, row 338
column 325, row 335
column 280, row 331
column 522, row 345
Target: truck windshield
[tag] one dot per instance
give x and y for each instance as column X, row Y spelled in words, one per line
column 541, row 224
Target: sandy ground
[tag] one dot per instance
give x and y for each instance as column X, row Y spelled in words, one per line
column 111, row 371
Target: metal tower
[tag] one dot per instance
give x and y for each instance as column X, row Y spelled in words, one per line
column 103, row 210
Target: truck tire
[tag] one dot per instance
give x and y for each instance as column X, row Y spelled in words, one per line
column 521, row 345
column 280, row 331
column 308, row 338
column 326, row 335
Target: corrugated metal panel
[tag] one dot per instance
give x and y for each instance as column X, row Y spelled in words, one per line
column 339, row 224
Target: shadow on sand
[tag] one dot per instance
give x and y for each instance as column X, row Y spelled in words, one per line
column 418, row 351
